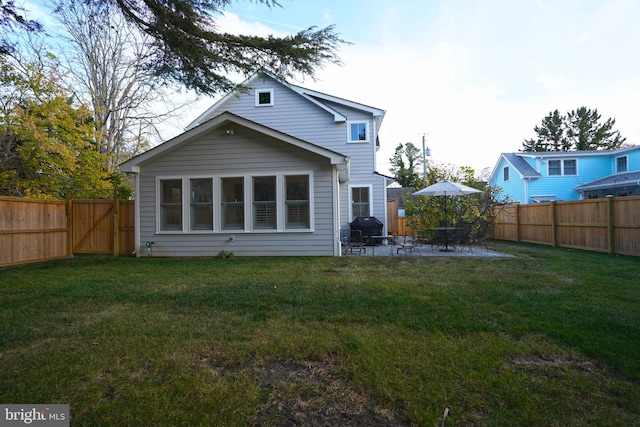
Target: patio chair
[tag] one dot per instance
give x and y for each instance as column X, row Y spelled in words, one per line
column 462, row 237
column 480, row 233
column 408, row 244
column 352, row 240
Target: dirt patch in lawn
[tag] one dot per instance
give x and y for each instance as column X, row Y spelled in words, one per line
column 311, row 393
column 534, row 362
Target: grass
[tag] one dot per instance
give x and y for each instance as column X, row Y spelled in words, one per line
column 548, row 338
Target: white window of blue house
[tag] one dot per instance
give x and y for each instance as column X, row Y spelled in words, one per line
column 563, row 167
column 358, row 132
column 621, row 164
column 264, row 97
column 505, row 174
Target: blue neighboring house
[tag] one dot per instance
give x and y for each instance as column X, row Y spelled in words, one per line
column 535, row 177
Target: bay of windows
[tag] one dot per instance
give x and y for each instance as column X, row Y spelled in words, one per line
column 280, row 202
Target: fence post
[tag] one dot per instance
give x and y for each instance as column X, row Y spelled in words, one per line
column 517, row 222
column 69, row 224
column 116, row 224
column 554, row 240
column 610, row 224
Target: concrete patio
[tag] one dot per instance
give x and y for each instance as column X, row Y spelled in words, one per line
column 426, row 251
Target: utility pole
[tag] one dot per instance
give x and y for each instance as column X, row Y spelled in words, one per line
column 425, row 152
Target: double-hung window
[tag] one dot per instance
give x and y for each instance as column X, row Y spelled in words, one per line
column 171, row 205
column 297, row 201
column 621, row 164
column 360, row 201
column 201, row 207
column 264, row 202
column 505, row 174
column 232, row 203
column 563, row 167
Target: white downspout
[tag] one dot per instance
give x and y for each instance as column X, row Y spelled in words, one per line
column 337, row 250
column 136, row 209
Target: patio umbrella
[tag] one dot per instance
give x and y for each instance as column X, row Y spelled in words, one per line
column 446, row 188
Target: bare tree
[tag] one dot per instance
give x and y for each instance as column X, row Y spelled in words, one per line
column 108, row 57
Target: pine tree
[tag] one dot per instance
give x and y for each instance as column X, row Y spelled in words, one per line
column 578, row 130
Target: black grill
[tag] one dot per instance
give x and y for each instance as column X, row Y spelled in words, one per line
column 369, row 226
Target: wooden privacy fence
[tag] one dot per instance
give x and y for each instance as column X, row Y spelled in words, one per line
column 36, row 230
column 608, row 225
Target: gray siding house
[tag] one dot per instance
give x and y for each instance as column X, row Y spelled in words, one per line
column 273, row 170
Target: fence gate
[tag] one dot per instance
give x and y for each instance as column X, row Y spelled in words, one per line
column 93, row 231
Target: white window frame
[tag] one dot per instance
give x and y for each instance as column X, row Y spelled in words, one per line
column 159, row 204
column 188, row 208
column 258, row 92
column 562, row 167
column 220, row 201
column 281, row 226
column 366, row 129
column 506, row 172
column 351, row 187
column 626, row 164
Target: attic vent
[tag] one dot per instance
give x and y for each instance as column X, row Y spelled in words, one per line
column 264, row 97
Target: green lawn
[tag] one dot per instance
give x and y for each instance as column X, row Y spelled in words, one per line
column 548, row 338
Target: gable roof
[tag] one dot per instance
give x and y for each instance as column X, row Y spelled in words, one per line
column 521, row 166
column 315, row 97
column 224, row 119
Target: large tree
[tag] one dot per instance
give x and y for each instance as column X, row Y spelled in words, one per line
column 46, row 139
column 580, row 129
column 184, row 45
column 405, row 173
column 106, row 56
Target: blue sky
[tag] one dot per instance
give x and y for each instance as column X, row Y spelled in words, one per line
column 474, row 77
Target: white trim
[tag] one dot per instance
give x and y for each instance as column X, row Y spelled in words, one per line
column 350, row 199
column 136, row 208
column 562, row 162
column 367, row 132
column 626, row 164
column 335, row 182
column 257, row 93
